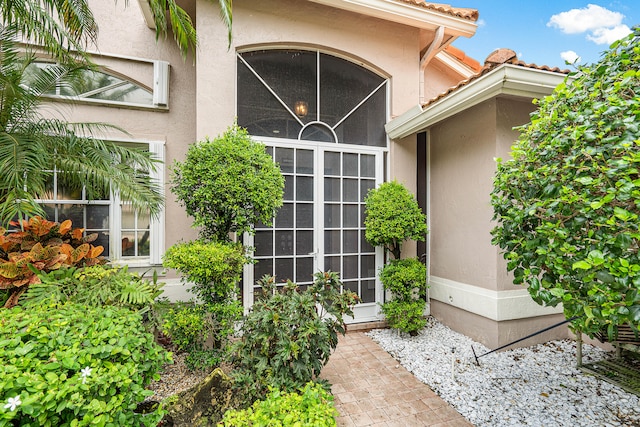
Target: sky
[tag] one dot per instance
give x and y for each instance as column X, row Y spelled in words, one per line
column 548, row 32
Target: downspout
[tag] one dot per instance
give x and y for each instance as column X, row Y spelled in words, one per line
column 433, row 49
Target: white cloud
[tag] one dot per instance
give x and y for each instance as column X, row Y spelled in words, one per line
column 590, row 18
column 481, row 22
column 608, row 35
column 602, row 25
column 570, row 57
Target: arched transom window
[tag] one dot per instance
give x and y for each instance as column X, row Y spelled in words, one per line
column 309, row 95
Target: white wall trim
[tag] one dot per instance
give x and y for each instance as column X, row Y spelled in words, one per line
column 407, row 14
column 494, row 305
column 507, row 79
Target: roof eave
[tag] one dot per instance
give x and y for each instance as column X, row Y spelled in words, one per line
column 507, row 79
column 414, row 16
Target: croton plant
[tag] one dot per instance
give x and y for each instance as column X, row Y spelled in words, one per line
column 39, row 245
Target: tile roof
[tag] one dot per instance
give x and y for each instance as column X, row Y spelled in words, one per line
column 460, row 12
column 462, row 57
column 493, row 61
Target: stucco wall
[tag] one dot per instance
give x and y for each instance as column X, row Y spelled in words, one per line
column 461, row 171
column 123, row 32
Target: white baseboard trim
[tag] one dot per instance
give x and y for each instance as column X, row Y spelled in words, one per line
column 494, row 305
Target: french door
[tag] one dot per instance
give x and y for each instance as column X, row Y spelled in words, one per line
column 320, row 226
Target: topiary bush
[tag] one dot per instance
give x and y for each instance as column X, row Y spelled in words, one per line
column 568, row 202
column 214, row 269
column 406, row 280
column 228, row 184
column 76, row 365
column 393, row 216
column 289, row 334
column 311, row 406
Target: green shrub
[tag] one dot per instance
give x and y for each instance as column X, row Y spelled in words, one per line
column 194, row 328
column 568, row 203
column 72, row 365
column 312, row 406
column 94, row 286
column 228, row 184
column 405, row 316
column 213, row 268
column 393, row 216
column 289, row 334
column 406, row 279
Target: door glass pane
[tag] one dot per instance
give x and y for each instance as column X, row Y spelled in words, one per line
column 350, row 164
column 332, row 263
column 350, row 241
column 263, row 267
column 350, row 267
column 332, row 242
column 368, row 292
column 368, row 266
column 304, row 242
column 331, row 216
column 304, row 215
column 365, row 187
column 284, row 269
column 304, row 188
column 367, row 166
column 332, row 189
column 284, row 242
column 304, row 270
column 351, row 216
column 304, row 162
column 350, row 190
column 263, row 241
column 288, row 188
column 284, row 218
column 332, row 163
column 284, row 157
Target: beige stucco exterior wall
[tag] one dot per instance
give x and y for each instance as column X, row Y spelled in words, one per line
column 126, row 46
column 462, row 166
column 461, row 171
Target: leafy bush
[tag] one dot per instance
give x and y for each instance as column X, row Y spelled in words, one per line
column 75, row 365
column 393, row 216
column 95, row 286
column 39, row 245
column 214, row 268
column 568, row 202
column 228, row 184
column 406, row 279
column 405, row 316
column 289, row 334
column 312, row 406
column 195, row 328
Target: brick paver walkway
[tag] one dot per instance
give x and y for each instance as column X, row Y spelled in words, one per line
column 371, row 389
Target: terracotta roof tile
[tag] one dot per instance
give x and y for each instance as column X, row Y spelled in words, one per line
column 494, row 60
column 460, row 12
column 462, row 57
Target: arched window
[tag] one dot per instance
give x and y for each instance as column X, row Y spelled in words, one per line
column 308, row 95
column 102, row 87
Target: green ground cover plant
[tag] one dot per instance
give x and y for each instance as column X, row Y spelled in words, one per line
column 74, row 365
column 311, row 406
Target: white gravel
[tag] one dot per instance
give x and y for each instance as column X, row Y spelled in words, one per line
column 534, row 386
